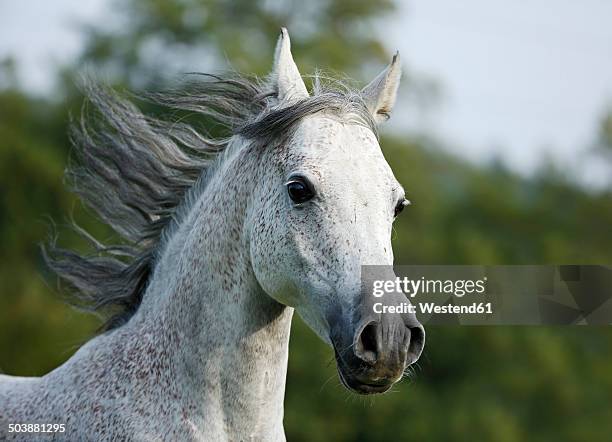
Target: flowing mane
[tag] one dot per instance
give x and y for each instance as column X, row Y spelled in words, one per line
column 140, row 174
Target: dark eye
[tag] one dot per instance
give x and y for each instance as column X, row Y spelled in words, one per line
column 299, row 189
column 400, row 206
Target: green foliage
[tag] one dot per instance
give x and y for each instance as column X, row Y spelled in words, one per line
column 605, row 131
column 325, row 33
column 33, row 149
column 491, row 383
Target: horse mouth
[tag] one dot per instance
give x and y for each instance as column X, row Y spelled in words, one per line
column 361, row 387
column 355, row 385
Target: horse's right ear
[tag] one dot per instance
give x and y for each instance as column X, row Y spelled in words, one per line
column 286, row 78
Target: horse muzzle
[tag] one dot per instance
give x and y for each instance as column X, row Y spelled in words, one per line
column 380, row 350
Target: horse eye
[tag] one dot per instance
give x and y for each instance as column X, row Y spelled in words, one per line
column 299, row 190
column 400, row 206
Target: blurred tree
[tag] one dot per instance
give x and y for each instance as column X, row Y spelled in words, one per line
column 8, row 73
column 151, row 37
column 605, row 132
column 33, row 148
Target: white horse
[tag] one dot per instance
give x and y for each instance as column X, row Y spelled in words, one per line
column 224, row 238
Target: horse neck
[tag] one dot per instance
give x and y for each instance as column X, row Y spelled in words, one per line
column 230, row 340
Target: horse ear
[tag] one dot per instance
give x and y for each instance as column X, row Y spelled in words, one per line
column 381, row 93
column 286, row 78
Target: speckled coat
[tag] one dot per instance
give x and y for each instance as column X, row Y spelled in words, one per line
column 204, row 357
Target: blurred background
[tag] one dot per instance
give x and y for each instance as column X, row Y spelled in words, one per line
column 502, row 137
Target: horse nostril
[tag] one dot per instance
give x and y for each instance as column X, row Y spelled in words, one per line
column 417, row 343
column 366, row 347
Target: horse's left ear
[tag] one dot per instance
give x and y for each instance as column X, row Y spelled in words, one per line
column 286, row 78
column 381, row 93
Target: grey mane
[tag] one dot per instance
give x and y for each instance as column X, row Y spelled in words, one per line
column 141, row 174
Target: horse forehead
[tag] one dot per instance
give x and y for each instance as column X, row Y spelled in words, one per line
column 329, row 141
column 334, row 135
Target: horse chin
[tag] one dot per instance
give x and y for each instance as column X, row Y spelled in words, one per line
column 360, row 387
